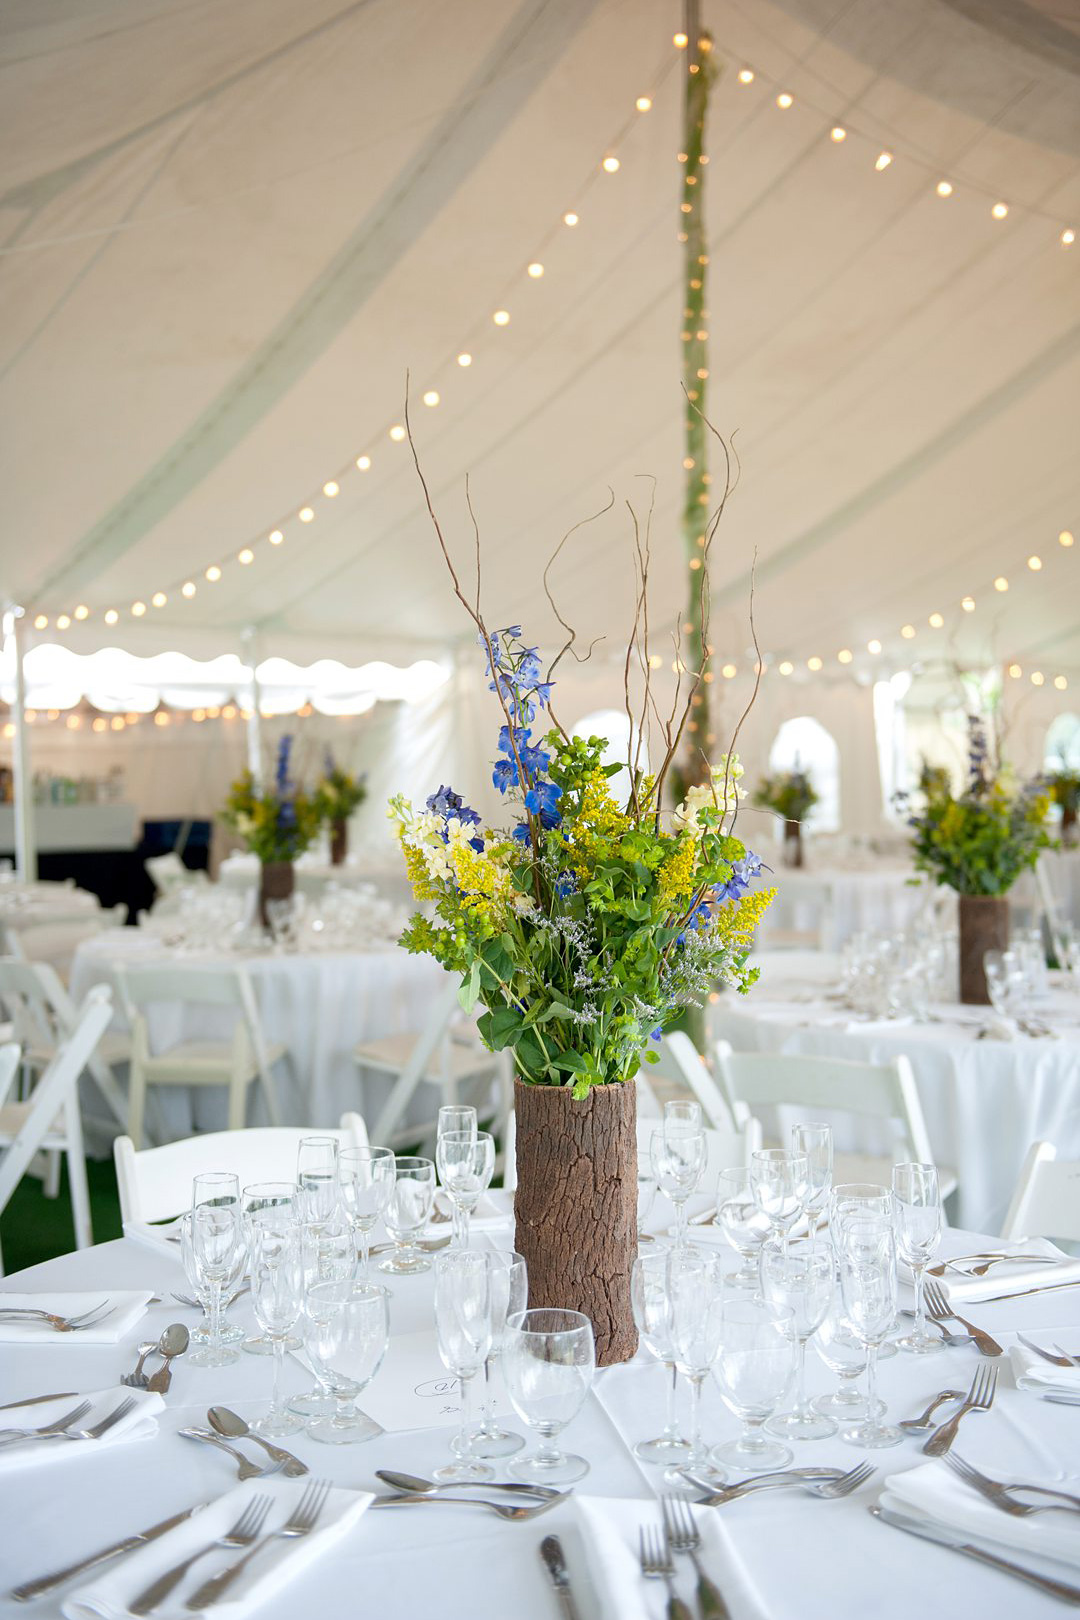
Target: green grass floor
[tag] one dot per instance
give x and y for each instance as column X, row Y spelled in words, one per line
column 35, row 1228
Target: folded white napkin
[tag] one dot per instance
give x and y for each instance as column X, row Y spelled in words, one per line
column 163, row 1237
column 1032, row 1372
column 139, row 1424
column 933, row 1492
column 610, row 1528
column 108, row 1597
column 1011, row 1277
column 128, row 1307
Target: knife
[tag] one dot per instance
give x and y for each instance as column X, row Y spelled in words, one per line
column 1020, row 1293
column 33, row 1589
column 949, row 1538
column 35, row 1400
column 552, row 1554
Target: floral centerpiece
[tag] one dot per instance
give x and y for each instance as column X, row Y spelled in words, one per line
column 276, row 822
column 337, row 794
column 978, row 842
column 789, row 794
column 1063, row 786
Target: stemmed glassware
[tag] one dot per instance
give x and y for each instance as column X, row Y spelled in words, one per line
column 1004, row 982
column 802, row 1280
column 407, row 1212
column 346, row 1339
column 456, row 1117
column 742, row 1223
column 816, row 1141
column 753, row 1370
column 273, row 1201
column 917, row 1213
column 781, row 1183
column 509, row 1297
column 856, row 1200
column 317, row 1178
column 228, row 1332
column 867, row 1256
column 548, row 1363
column 217, row 1244
column 466, row 1163
column 652, row 1314
column 366, row 1178
column 845, row 1355
column 327, row 1255
column 695, row 1301
column 277, row 1294
column 463, row 1328
column 678, row 1162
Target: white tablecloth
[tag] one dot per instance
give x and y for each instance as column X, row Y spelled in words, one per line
column 318, row 1006
column 842, row 901
column 985, row 1101
column 313, row 873
column 809, row 1560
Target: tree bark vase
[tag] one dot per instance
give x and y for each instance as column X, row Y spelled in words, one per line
column 277, row 880
column 576, row 1206
column 792, row 852
column 984, row 926
column 339, row 841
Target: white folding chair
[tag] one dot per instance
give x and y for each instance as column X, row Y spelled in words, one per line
column 1046, row 1202
column 432, row 1058
column 233, row 1063
column 683, row 1068
column 43, row 1014
column 155, row 1184
column 55, row 939
column 874, row 1091
column 49, row 1118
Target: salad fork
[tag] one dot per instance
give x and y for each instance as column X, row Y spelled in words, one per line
column 301, row 1522
column 683, row 1536
column 1002, row 1495
column 979, row 1398
column 938, row 1305
column 243, row 1533
column 657, row 1564
column 1059, row 1360
column 825, row 1488
column 61, row 1324
column 11, row 1436
column 101, row 1427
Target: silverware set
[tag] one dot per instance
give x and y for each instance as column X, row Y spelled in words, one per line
column 227, row 1426
column 1005, row 1496
column 937, row 1305
column 59, row 1324
column 63, row 1427
column 827, row 1483
column 979, row 1398
column 943, row 1537
column 172, row 1343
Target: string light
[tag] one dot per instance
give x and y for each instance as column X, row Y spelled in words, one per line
column 213, row 573
column 882, row 161
column 1001, row 583
column 112, row 617
column 246, row 556
column 1000, row 210
column 306, row 514
column 331, row 488
column 188, row 588
column 729, row 672
column 74, row 721
column 571, row 219
column 873, row 647
column 41, row 622
column 837, row 134
column 397, row 433
column 536, row 270
column 786, row 667
column 363, row 463
column 935, row 621
column 643, row 103
column 1037, row 677
column 944, row 188
column 610, row 164
column 814, row 663
column 1034, row 563
column 784, row 100
column 501, row 317
column 908, row 632
column 1015, row 671
column 680, row 41
column 159, row 598
column 1061, row 683
column 63, row 622
column 117, row 722
column 845, row 655
column 745, row 75
column 82, row 611
column 137, row 610
column 432, row 397
column 968, row 604
column 100, row 724
column 1068, row 236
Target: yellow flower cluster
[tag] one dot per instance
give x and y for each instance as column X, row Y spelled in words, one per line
column 598, row 824
column 485, row 885
column 675, row 881
column 416, row 868
column 736, row 923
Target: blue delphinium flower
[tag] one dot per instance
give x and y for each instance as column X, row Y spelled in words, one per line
column 541, row 800
column 742, row 874
column 451, row 807
column 281, row 772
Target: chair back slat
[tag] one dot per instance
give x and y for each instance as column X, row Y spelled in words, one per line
column 1046, row 1202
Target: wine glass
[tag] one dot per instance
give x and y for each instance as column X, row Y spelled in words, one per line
column 856, row 1200
column 753, row 1370
column 466, row 1163
column 327, row 1254
column 695, row 1302
column 917, row 1218
column 867, row 1257
column 678, row 1160
column 277, row 1294
column 646, row 1197
column 652, row 1314
column 228, row 1332
column 272, row 1202
column 509, row 1297
column 366, row 1177
column 801, row 1280
column 682, row 1110
column 463, row 1327
column 781, row 1183
column 407, row 1211
column 317, row 1178
column 843, row 1354
column 816, row 1141
column 742, row 1223
column 456, row 1117
column 217, row 1243
column 548, row 1363
column 346, row 1339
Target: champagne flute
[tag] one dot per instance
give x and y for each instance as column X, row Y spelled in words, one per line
column 466, row 1163
column 327, row 1254
column 742, row 1223
column 695, row 1303
column 228, row 1332
column 277, row 1294
column 407, row 1211
column 317, row 1177
column 678, row 1160
column 346, row 1339
column 917, row 1215
column 868, row 1285
column 801, row 1280
column 816, row 1141
column 272, row 1202
column 509, row 1297
column 844, row 1355
column 463, row 1327
column 781, row 1183
column 652, row 1315
column 217, row 1240
column 548, row 1363
column 366, row 1176
column 753, row 1370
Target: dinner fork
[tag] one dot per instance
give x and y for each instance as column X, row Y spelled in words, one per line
column 683, row 1536
column 979, row 1398
column 102, row 1426
column 61, row 1324
column 10, row 1436
column 1060, row 1360
column 938, row 1305
column 657, row 1565
column 243, row 1533
column 1002, row 1495
column 300, row 1522
column 826, row 1488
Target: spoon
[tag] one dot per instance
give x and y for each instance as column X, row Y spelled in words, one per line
column 136, row 1380
column 924, row 1422
column 246, row 1470
column 232, row 1425
column 472, row 1501
column 952, row 1339
column 416, row 1486
column 173, row 1342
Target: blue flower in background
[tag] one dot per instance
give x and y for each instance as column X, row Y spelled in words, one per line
column 281, row 772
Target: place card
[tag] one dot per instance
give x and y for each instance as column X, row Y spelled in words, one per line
column 413, row 1390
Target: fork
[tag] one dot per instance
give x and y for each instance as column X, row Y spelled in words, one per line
column 61, row 1324
column 683, row 1536
column 1002, row 1495
column 11, row 1436
column 925, row 1419
column 979, row 1398
column 102, row 1426
column 826, row 1488
column 243, row 1533
column 657, row 1565
column 1060, row 1360
column 938, row 1305
column 300, row 1522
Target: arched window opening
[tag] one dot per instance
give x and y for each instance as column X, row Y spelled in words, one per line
column 804, row 744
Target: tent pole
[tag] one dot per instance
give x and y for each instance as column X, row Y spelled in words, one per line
column 23, row 787
column 250, row 644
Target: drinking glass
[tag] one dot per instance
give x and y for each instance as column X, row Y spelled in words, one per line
column 843, row 1354
column 509, row 1297
column 271, row 1202
column 646, row 1196
column 228, row 1332
column 407, row 1211
column 217, row 1243
column 917, row 1219
column 695, row 1299
column 327, row 1254
column 781, row 1183
column 366, row 1176
column 466, row 1163
column 867, row 1257
column 548, row 1363
column 456, row 1117
column 347, row 1333
column 855, row 1200
column 683, row 1111
column 277, row 1294
column 678, row 1160
column 802, row 1281
column 317, row 1177
column 815, row 1140
column 753, row 1370
column 652, row 1314
column 742, row 1223
column 463, row 1327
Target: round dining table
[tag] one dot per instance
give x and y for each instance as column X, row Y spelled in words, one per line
column 780, row 1555
column 835, row 902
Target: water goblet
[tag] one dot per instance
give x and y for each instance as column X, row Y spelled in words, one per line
column 816, row 1141
column 509, row 1297
column 856, row 1200
column 463, row 1328
column 273, row 1202
column 366, row 1177
column 652, row 1315
column 277, row 1294
column 781, row 1183
column 867, row 1256
column 802, row 1281
column 548, row 1363
column 753, row 1371
column 217, row 1244
column 346, row 1339
column 407, row 1212
column 678, row 1161
column 844, row 1355
column 742, row 1223
column 228, row 1332
column 695, row 1301
column 917, row 1219
column 466, row 1163
column 317, row 1177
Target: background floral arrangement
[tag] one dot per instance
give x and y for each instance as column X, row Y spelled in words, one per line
column 1063, row 786
column 790, row 793
column 338, row 792
column 277, row 823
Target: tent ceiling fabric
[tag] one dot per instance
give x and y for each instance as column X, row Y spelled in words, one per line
column 227, row 231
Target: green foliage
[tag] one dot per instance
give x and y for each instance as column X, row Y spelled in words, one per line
column 1063, row 786
column 790, row 793
column 338, row 793
column 274, row 826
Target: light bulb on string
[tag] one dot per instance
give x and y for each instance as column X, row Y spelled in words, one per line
column 1065, row 538
column 213, row 573
column 746, row 75
column 785, row 100
column 882, row 161
column 331, row 488
column 944, row 188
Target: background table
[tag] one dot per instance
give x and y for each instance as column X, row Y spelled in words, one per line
column 842, row 900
